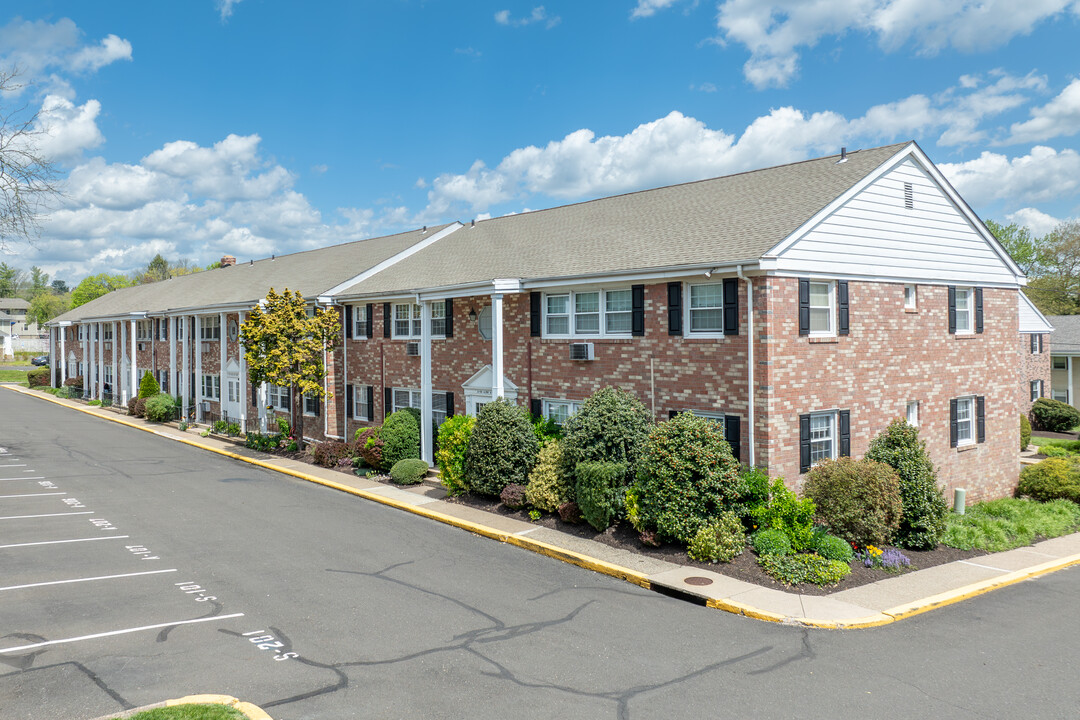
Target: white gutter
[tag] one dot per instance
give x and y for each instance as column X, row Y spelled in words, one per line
column 749, row 365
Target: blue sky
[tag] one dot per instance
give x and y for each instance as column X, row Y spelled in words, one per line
column 253, row 127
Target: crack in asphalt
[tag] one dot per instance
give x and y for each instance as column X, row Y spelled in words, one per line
column 124, row 703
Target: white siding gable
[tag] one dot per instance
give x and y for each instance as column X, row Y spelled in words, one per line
column 1031, row 320
column 875, row 234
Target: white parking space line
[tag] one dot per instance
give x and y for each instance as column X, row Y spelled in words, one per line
column 27, row 517
column 4, row 497
column 89, row 579
column 20, row 648
column 60, row 542
column 38, row 477
column 10, row 465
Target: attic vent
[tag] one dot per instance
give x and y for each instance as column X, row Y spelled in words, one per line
column 909, row 197
column 412, row 349
column 581, row 351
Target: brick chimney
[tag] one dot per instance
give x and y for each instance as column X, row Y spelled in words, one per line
column 227, row 260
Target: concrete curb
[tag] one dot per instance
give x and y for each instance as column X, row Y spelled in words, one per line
column 885, row 617
column 252, row 712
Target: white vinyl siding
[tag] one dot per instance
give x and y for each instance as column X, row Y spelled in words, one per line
column 588, row 313
column 873, row 234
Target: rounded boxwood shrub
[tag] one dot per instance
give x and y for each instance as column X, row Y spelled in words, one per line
column 454, row 436
column 924, row 508
column 785, row 511
column 858, row 500
column 600, row 492
column 550, row 482
column 1051, row 479
column 834, row 548
column 611, row 426
column 38, row 377
column 400, row 435
column 160, row 407
column 771, row 541
column 148, row 386
column 1025, row 432
column 502, row 448
column 686, row 477
column 1054, row 415
column 409, row 471
column 369, row 446
column 720, row 540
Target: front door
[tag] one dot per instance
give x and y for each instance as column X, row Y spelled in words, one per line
column 230, row 405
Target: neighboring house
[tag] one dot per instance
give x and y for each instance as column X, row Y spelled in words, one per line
column 22, row 335
column 1035, row 329
column 803, row 307
column 1065, row 359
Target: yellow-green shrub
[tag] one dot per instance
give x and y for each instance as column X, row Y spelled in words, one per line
column 550, row 482
column 450, row 457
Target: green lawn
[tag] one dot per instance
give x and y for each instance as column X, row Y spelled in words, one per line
column 191, row 712
column 1008, row 523
column 14, row 374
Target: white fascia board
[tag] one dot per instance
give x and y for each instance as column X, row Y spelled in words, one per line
column 894, row 279
column 669, row 273
column 1048, row 326
column 393, row 260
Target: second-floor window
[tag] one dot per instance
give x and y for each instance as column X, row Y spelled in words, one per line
column 143, row 329
column 210, row 328
column 590, row 313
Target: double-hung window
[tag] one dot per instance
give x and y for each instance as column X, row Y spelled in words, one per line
column 913, row 413
column 1059, row 362
column 162, row 328
column 559, row 411
column 964, row 307
column 910, row 297
column 278, row 397
column 410, row 398
column 106, row 332
column 311, row 404
column 822, row 308
column 406, row 321
column 965, row 419
column 707, row 308
column 618, row 312
column 1036, row 390
column 558, row 314
column 143, row 329
column 211, row 387
column 592, row 313
column 822, row 437
column 210, row 327
column 361, row 409
column 82, row 332
column 359, row 315
column 438, row 319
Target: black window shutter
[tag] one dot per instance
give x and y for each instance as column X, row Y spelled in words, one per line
column 731, row 307
column 804, row 318
column 842, row 325
column 731, row 433
column 637, row 301
column 978, row 310
column 370, row 390
column 449, row 404
column 952, row 315
column 387, row 402
column 349, row 401
column 952, row 423
column 535, row 298
column 536, row 407
column 348, row 322
column 1034, row 344
column 254, row 396
column 845, row 433
column 980, row 417
column 1040, row 343
column 804, row 441
column 671, row 414
column 386, row 320
column 449, row 323
column 318, row 405
column 674, row 305
column 370, row 319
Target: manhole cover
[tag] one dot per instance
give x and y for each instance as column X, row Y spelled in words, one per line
column 698, row 581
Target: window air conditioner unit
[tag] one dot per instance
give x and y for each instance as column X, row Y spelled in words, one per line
column 108, row 346
column 581, row 351
column 412, row 349
column 204, row 407
column 142, row 346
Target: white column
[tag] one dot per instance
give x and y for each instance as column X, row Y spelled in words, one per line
column 264, row 422
column 241, row 318
column 223, row 343
column 1069, row 373
column 82, row 347
column 198, row 369
column 121, row 378
column 63, row 355
column 497, row 390
column 426, row 439
column 134, row 364
column 185, row 380
column 115, row 388
column 172, row 355
column 100, row 361
column 53, row 345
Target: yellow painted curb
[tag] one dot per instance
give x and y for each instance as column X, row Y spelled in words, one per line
column 252, row 712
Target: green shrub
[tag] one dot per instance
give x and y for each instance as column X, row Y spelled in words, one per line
column 752, row 492
column 1051, row 479
column 93, row 403
column 38, row 377
column 600, row 492
column 513, row 496
column 369, row 446
column 1056, row 451
column 611, row 426
column 327, row 454
column 450, row 456
column 1072, row 446
column 401, row 438
column 219, row 427
column 76, row 383
column 924, row 508
column 1054, row 415
column 546, row 429
column 784, row 511
column 771, row 541
column 834, row 548
column 502, row 448
column 550, row 482
column 258, row 441
column 409, row 471
column 799, row 569
column 148, row 386
column 686, row 477
column 858, row 500
column 719, row 540
column 1025, row 432
column 283, row 425
column 160, row 407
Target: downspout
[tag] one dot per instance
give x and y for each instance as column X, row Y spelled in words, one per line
column 749, row 364
column 326, row 383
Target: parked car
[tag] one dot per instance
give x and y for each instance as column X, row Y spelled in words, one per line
column 40, row 360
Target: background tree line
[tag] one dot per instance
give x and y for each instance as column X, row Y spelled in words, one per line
column 1052, row 264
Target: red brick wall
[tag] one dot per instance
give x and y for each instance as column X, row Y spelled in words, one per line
column 1033, row 366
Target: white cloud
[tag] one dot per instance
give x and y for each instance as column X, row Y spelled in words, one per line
column 226, row 171
column 225, row 8
column 776, row 31
column 538, row 15
column 92, row 59
column 646, row 8
column 67, row 129
column 1042, row 175
column 1036, row 220
column 1058, row 118
column 117, row 186
column 706, row 87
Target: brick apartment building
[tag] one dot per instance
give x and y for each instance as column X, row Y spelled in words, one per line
column 803, row 306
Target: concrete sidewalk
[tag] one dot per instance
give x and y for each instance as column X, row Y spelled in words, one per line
column 879, row 603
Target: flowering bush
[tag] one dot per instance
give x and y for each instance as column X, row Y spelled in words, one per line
column 890, row 559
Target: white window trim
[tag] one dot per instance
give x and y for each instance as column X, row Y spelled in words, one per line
column 717, row 417
column 1060, row 395
column 688, row 326
column 215, row 387
column 831, row 332
column 360, row 391
column 570, row 314
column 414, row 394
column 834, row 443
column 969, row 293
column 359, row 316
column 414, row 321
column 912, row 411
column 144, row 331
column 274, row 399
column 912, row 302
column 308, row 397
column 211, row 323
column 573, row 407
column 971, row 421
column 1055, row 358
column 1035, row 387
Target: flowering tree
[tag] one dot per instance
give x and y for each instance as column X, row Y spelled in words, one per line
column 285, row 347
